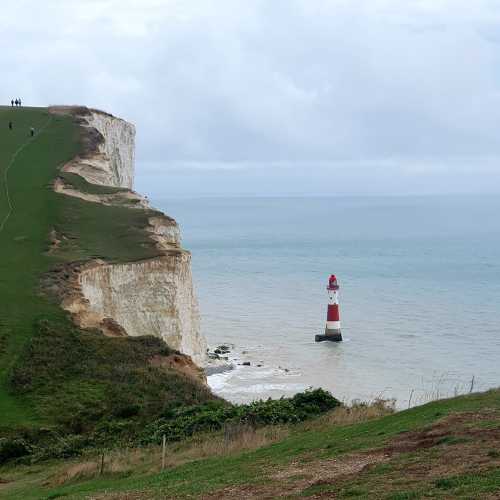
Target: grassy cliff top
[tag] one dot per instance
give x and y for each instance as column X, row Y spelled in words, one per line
column 447, row 449
column 38, row 386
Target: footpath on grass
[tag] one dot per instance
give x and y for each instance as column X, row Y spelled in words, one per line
column 444, row 449
column 27, row 166
column 43, row 383
column 6, row 189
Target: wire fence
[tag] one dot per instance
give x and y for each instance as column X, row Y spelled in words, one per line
column 427, row 389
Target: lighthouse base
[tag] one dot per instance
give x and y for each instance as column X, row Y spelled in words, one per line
column 332, row 337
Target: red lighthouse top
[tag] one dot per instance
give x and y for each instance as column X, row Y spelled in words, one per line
column 332, row 283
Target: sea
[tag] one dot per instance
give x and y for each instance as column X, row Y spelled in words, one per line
column 419, row 296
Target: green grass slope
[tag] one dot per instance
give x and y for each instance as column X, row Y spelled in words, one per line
column 445, row 449
column 42, row 380
column 23, row 240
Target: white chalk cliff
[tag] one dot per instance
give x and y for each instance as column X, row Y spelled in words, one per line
column 148, row 297
column 112, row 161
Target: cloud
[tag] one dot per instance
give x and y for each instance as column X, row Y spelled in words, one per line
column 266, row 83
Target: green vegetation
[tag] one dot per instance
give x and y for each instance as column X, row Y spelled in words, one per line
column 50, row 372
column 115, row 234
column 398, row 456
column 117, row 403
column 80, row 184
column 24, row 237
column 182, row 422
column 64, row 390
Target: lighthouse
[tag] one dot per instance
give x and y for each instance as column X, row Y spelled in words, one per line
column 332, row 330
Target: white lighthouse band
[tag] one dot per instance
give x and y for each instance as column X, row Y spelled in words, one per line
column 333, row 325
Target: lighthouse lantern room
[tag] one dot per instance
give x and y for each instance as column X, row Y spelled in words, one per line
column 332, row 330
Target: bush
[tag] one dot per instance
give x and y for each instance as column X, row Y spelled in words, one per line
column 177, row 423
column 127, row 410
column 12, row 448
column 180, row 423
column 314, row 402
column 60, row 447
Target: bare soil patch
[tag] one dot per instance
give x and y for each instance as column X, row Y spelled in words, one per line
column 297, row 476
column 457, row 444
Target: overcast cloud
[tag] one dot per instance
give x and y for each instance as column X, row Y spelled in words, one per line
column 276, row 96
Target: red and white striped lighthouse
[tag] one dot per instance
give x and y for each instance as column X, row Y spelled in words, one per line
column 332, row 330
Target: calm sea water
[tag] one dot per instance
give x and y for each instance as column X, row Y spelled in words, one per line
column 420, row 293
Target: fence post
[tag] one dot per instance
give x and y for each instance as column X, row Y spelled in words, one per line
column 471, row 384
column 411, row 395
column 101, row 470
column 163, row 451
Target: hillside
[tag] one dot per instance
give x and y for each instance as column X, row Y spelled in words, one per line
column 97, row 305
column 54, row 374
column 445, row 449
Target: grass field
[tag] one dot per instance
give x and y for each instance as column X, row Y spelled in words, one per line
column 445, row 449
column 23, row 241
column 91, row 230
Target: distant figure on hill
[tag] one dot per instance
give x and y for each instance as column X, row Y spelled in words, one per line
column 17, row 102
column 12, row 102
column 19, row 99
column 32, row 131
column 10, row 125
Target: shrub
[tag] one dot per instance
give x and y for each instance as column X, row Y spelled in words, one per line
column 127, row 410
column 177, row 423
column 314, row 402
column 12, row 448
column 60, row 447
column 180, row 423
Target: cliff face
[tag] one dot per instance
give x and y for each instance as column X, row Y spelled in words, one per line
column 148, row 297
column 110, row 147
column 152, row 297
column 117, row 150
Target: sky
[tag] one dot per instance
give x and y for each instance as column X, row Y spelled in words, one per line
column 275, row 97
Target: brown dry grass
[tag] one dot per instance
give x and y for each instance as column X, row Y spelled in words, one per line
column 231, row 440
column 347, row 415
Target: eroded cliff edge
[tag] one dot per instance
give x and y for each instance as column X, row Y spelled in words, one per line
column 152, row 296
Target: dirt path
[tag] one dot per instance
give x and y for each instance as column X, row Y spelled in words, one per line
column 297, row 476
column 452, row 446
column 6, row 172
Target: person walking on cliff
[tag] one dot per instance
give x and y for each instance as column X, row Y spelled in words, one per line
column 16, row 102
column 12, row 102
column 19, row 101
column 32, row 131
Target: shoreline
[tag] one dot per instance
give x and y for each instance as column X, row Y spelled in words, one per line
column 218, row 369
